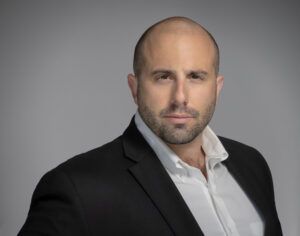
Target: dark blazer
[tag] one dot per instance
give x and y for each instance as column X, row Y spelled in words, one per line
column 122, row 188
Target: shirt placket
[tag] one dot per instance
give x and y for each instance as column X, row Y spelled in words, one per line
column 221, row 210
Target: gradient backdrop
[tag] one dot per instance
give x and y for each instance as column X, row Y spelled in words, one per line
column 63, row 89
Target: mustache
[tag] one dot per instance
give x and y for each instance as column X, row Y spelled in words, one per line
column 182, row 109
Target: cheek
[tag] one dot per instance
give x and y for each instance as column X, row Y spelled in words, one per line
column 156, row 99
column 202, row 96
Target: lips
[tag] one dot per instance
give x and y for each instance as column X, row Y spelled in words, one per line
column 178, row 118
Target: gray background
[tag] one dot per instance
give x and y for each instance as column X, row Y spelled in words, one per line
column 63, row 89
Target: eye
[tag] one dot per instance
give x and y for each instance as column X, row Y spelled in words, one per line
column 196, row 76
column 163, row 77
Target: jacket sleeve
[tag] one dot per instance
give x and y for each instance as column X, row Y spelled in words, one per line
column 55, row 208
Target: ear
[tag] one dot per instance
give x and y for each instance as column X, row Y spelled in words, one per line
column 220, row 82
column 133, row 85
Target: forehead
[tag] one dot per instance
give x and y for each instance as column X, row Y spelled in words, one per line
column 185, row 48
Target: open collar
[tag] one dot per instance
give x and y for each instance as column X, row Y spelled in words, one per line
column 214, row 151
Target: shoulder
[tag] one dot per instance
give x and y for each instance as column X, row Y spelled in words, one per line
column 245, row 156
column 80, row 172
column 248, row 159
column 236, row 146
column 105, row 160
column 61, row 194
column 108, row 154
column 240, row 151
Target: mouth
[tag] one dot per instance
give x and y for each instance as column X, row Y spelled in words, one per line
column 178, row 118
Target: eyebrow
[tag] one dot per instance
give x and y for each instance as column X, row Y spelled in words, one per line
column 162, row 71
column 198, row 72
column 166, row 71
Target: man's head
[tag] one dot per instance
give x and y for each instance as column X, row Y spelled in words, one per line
column 176, row 81
column 139, row 59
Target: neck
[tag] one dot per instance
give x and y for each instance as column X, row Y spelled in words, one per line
column 191, row 153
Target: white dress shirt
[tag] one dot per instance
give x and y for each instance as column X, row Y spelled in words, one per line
column 218, row 203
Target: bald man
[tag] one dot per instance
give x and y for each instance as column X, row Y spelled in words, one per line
column 168, row 174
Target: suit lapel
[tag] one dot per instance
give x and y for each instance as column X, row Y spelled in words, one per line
column 154, row 179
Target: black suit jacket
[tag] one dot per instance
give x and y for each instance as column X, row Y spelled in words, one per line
column 122, row 188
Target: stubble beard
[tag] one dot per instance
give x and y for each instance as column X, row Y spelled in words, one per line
column 176, row 133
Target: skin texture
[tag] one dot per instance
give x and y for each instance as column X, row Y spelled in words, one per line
column 177, row 89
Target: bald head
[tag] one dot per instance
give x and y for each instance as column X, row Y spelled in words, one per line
column 172, row 25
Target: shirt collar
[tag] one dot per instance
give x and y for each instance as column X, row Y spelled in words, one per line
column 212, row 146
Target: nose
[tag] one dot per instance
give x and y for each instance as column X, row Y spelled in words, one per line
column 180, row 93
